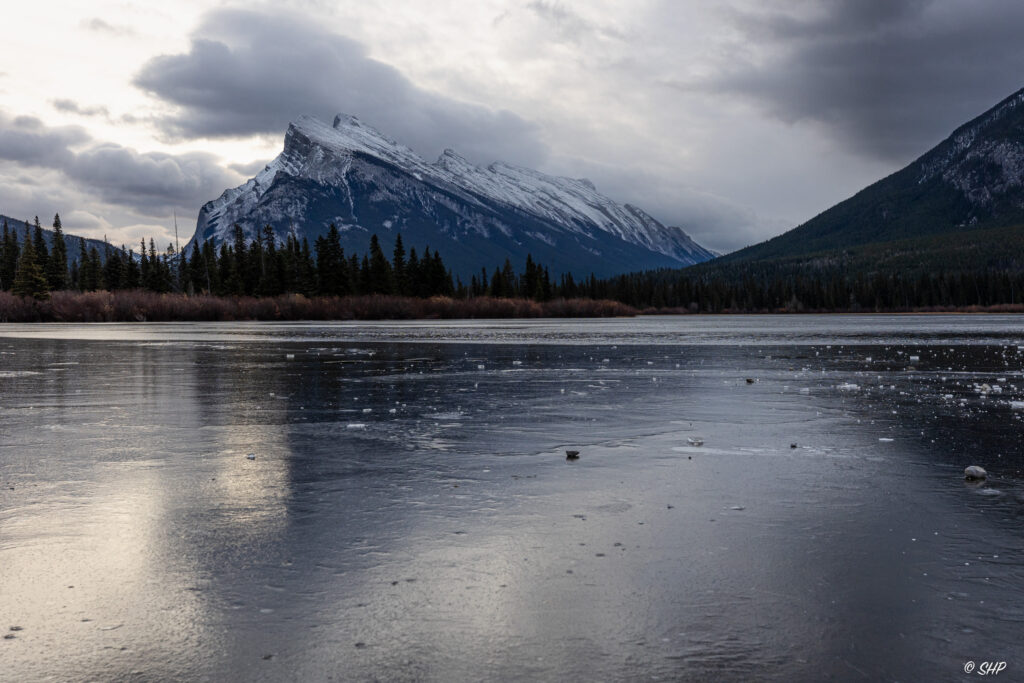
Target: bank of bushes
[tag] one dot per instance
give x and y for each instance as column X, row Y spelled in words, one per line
column 145, row 306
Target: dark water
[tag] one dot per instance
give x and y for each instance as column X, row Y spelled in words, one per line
column 410, row 515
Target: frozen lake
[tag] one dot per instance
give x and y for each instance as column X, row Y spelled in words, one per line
column 410, row 514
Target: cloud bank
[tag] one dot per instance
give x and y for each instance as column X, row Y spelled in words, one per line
column 249, row 73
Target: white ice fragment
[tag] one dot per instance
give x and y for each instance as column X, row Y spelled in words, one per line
column 517, row 362
column 885, row 439
column 290, row 356
column 480, row 367
column 357, row 425
column 393, row 411
column 847, row 386
column 914, row 359
column 367, row 410
column 805, row 391
column 1016, row 405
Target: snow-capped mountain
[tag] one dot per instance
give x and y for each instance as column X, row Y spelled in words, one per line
column 356, row 177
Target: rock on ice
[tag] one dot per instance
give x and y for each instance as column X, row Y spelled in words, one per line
column 975, row 472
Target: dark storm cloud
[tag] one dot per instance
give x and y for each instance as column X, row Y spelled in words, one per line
column 888, row 78
column 248, row 73
column 148, row 182
column 26, row 140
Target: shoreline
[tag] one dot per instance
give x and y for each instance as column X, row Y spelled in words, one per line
column 137, row 306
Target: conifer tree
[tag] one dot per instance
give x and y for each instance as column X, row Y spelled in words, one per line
column 398, row 267
column 39, row 242
column 113, row 267
column 306, row 275
column 89, row 273
column 145, row 277
column 270, row 276
column 365, row 280
column 412, row 274
column 239, row 263
column 380, row 275
column 330, row 260
column 57, row 265
column 8, row 257
column 30, row 280
column 83, row 264
column 132, row 276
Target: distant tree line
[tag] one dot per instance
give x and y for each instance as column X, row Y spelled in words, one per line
column 259, row 267
column 804, row 290
column 266, row 267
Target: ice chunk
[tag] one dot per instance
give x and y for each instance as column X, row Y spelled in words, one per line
column 357, row 425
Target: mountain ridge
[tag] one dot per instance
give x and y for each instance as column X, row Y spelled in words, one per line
column 352, row 175
column 70, row 239
column 972, row 179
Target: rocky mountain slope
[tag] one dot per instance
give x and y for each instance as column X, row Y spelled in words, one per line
column 974, row 180
column 356, row 177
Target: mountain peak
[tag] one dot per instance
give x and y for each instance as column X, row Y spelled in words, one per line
column 346, row 135
column 453, row 162
column 349, row 174
column 343, row 120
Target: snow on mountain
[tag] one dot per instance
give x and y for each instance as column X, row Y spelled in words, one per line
column 354, row 176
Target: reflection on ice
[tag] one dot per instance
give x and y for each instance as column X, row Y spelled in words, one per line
column 410, row 512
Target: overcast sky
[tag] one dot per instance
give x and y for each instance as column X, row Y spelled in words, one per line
column 735, row 120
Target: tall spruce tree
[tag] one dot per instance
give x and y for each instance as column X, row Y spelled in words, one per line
column 8, row 257
column 398, row 267
column 81, row 262
column 39, row 242
column 57, row 265
column 380, row 275
column 30, row 280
